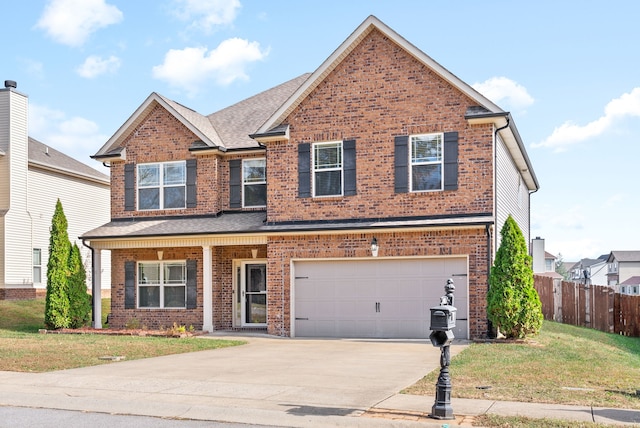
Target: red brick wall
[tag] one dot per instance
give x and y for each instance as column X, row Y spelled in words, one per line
column 162, row 138
column 222, row 288
column 377, row 93
column 151, row 318
column 464, row 242
column 20, row 293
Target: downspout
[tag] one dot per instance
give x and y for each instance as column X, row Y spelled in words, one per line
column 96, row 295
column 495, row 207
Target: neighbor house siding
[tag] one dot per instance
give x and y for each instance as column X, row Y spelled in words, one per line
column 76, row 196
column 512, row 195
column 397, row 95
column 17, row 220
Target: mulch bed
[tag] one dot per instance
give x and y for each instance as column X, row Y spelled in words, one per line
column 120, row 332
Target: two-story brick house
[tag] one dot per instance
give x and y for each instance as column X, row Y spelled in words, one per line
column 335, row 205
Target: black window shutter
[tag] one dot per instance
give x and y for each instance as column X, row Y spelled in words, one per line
column 192, row 199
column 349, row 152
column 450, row 160
column 401, row 156
column 235, row 183
column 129, row 285
column 192, row 284
column 129, row 187
column 304, row 170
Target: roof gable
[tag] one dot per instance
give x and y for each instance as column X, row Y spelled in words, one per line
column 485, row 112
column 194, row 121
column 370, row 24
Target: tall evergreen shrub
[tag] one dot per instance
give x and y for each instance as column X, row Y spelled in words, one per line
column 57, row 301
column 513, row 304
column 79, row 299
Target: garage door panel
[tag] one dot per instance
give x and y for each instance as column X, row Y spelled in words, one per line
column 384, row 298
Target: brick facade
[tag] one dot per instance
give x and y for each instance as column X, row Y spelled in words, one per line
column 463, row 242
column 397, row 95
column 377, row 92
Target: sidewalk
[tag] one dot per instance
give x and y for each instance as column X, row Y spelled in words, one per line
column 417, row 408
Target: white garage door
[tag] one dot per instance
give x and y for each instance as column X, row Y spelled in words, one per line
column 375, row 298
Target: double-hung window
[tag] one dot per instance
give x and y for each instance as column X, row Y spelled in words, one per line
column 254, row 182
column 162, row 284
column 162, row 185
column 37, row 265
column 426, row 170
column 327, row 169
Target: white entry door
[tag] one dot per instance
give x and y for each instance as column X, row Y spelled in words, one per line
column 251, row 306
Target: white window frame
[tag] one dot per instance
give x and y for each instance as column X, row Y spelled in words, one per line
column 316, row 169
column 37, row 279
column 415, row 162
column 161, row 185
column 161, row 283
column 246, row 182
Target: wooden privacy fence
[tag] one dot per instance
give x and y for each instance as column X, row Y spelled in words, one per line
column 593, row 306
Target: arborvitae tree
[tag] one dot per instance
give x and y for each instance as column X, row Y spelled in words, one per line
column 56, row 313
column 79, row 299
column 513, row 304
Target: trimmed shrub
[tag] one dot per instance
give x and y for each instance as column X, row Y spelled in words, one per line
column 513, row 304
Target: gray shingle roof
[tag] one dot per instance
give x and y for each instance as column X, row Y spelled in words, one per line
column 241, row 222
column 46, row 157
column 236, row 122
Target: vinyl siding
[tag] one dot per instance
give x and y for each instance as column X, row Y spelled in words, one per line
column 85, row 205
column 14, row 128
column 512, row 195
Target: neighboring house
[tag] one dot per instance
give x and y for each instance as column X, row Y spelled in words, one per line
column 631, row 286
column 543, row 262
column 591, row 271
column 336, row 204
column 622, row 265
column 32, row 178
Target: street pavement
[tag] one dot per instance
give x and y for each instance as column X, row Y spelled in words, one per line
column 275, row 382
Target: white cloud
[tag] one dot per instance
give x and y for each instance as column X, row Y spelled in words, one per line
column 71, row 22
column 95, row 65
column 205, row 14
column 569, row 133
column 74, row 136
column 190, row 68
column 502, row 90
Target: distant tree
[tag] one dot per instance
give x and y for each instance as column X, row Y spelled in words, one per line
column 57, row 301
column 561, row 268
column 513, row 304
column 79, row 299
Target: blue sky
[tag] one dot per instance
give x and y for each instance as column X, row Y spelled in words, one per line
column 566, row 70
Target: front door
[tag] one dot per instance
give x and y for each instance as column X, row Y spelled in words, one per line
column 253, row 280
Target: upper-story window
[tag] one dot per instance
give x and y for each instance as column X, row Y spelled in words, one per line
column 254, row 182
column 327, row 169
column 426, row 162
column 162, row 185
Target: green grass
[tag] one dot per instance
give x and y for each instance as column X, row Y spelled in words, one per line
column 564, row 364
column 23, row 349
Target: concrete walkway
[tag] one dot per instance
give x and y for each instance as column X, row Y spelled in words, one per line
column 274, row 381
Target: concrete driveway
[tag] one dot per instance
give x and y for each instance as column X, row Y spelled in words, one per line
column 272, row 381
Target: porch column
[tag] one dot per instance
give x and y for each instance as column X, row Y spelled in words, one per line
column 207, row 290
column 96, row 287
